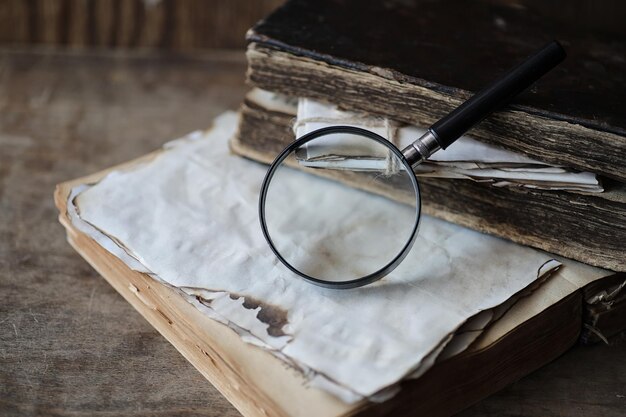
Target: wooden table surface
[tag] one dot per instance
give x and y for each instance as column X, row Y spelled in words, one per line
column 69, row 344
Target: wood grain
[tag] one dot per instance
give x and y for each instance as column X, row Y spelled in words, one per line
column 70, row 345
column 169, row 24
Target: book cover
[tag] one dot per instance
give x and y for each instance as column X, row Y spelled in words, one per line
column 415, row 61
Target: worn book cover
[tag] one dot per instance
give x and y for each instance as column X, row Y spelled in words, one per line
column 414, row 61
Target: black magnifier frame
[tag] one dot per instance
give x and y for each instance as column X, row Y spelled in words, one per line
column 367, row 279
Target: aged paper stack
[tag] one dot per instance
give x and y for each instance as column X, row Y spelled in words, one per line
column 183, row 222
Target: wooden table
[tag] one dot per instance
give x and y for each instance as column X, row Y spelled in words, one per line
column 70, row 345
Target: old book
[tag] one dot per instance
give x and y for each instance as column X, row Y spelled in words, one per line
column 414, row 61
column 535, row 329
column 587, row 227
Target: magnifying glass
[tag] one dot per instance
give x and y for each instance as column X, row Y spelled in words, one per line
column 325, row 206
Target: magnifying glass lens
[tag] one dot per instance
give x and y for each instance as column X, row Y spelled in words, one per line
column 327, row 209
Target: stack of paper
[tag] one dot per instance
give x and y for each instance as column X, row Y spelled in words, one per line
column 466, row 158
column 189, row 218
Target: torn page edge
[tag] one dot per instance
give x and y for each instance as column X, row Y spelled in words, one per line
column 313, row 377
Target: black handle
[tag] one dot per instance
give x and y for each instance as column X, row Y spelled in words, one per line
column 489, row 99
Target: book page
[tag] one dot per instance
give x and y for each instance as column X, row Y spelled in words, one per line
column 467, row 158
column 189, row 218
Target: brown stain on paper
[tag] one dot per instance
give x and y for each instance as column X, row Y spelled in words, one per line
column 275, row 317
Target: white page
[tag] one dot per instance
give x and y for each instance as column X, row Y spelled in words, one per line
column 190, row 218
column 467, row 158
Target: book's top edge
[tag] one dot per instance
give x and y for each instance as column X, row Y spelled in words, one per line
column 586, row 89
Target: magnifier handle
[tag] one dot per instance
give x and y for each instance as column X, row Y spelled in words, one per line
column 445, row 131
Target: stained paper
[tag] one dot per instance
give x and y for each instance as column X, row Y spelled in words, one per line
column 189, row 218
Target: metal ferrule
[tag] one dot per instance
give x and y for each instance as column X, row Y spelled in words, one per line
column 421, row 149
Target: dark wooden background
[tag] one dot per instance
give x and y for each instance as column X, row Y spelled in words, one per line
column 170, row 24
column 70, row 345
column 201, row 24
